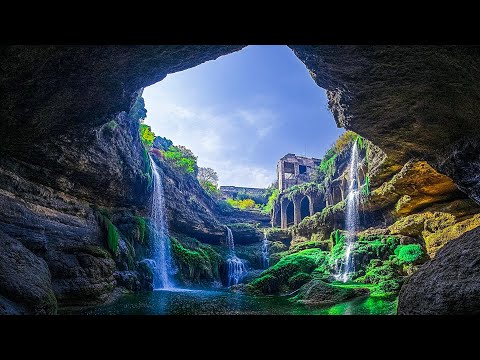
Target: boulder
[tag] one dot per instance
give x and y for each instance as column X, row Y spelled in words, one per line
column 25, row 281
column 317, row 292
column 449, row 284
column 436, row 240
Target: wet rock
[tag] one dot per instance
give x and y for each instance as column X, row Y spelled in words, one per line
column 25, row 281
column 317, row 292
column 434, row 240
column 447, row 285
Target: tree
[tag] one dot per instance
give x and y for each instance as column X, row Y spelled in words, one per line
column 207, row 175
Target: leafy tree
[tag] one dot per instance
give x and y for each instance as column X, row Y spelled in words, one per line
column 271, row 200
column 210, row 188
column 207, row 175
column 182, row 158
column 146, row 135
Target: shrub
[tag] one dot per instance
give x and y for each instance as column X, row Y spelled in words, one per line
column 181, row 158
column 271, row 201
column 242, row 204
column 409, row 254
column 210, row 188
column 146, row 135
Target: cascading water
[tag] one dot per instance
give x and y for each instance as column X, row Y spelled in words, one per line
column 162, row 255
column 352, row 217
column 265, row 258
column 236, row 267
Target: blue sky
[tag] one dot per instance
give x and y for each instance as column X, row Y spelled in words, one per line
column 242, row 112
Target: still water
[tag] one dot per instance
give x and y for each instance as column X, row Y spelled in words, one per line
column 217, row 302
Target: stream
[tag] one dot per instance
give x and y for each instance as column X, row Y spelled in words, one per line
column 220, row 302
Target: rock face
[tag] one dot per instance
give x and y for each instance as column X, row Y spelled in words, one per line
column 190, row 210
column 424, row 108
column 448, row 284
column 25, row 285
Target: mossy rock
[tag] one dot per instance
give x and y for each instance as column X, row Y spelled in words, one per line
column 277, row 234
column 415, row 224
column 435, row 241
column 275, row 279
column 320, row 293
column 197, row 262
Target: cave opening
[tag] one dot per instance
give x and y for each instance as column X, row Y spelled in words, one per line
column 239, row 114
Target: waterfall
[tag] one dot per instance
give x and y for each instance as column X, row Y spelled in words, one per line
column 265, row 258
column 162, row 255
column 352, row 217
column 236, row 267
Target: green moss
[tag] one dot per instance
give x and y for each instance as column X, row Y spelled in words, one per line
column 297, row 280
column 148, row 168
column 142, row 228
column 197, row 262
column 366, row 186
column 305, row 188
column 409, row 254
column 385, row 274
column 112, row 238
column 275, row 279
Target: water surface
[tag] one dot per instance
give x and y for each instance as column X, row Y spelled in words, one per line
column 218, row 302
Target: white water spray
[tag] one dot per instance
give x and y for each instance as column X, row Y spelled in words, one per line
column 265, row 258
column 352, row 218
column 162, row 255
column 236, row 267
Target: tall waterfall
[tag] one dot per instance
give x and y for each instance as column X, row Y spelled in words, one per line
column 236, row 267
column 162, row 255
column 352, row 217
column 265, row 258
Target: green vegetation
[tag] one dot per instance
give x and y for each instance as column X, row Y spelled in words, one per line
column 409, row 254
column 182, row 158
column 271, row 201
column 366, row 186
column 344, row 140
column 146, row 135
column 284, row 275
column 305, row 188
column 242, row 204
column 327, row 166
column 386, row 274
column 148, row 168
column 142, row 228
column 210, row 188
column 112, row 238
column 197, row 262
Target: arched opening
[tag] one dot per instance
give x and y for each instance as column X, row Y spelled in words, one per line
column 304, row 207
column 289, row 213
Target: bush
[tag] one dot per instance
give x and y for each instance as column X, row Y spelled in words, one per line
column 271, row 201
column 146, row 135
column 409, row 254
column 242, row 204
column 210, row 188
column 181, row 158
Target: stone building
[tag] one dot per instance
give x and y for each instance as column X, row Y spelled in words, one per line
column 293, row 170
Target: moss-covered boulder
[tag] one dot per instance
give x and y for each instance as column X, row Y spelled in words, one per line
column 415, row 224
column 197, row 262
column 436, row 240
column 320, row 293
column 283, row 277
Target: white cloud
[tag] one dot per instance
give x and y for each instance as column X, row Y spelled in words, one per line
column 223, row 140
